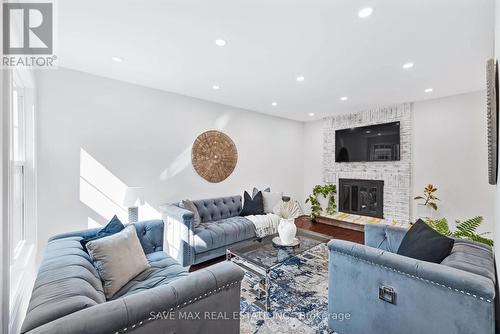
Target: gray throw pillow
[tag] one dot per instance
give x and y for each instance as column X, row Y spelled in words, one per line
column 255, row 191
column 118, row 258
column 189, row 205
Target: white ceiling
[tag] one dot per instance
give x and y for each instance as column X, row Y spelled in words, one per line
column 169, row 45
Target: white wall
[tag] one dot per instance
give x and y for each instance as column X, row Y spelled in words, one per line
column 449, row 150
column 142, row 137
column 313, row 158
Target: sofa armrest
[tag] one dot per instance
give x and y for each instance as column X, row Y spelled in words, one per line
column 165, row 309
column 178, row 233
column 384, row 237
column 181, row 215
column 454, row 279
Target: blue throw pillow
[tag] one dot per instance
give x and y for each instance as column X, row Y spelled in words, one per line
column 114, row 226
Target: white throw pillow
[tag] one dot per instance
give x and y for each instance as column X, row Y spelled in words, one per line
column 270, row 200
column 118, row 258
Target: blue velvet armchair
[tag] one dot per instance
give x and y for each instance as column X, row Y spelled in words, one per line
column 372, row 289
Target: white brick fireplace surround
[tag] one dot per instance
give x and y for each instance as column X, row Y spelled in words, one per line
column 395, row 174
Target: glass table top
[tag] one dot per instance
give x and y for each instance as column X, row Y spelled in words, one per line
column 263, row 253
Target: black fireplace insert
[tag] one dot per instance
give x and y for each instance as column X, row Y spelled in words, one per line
column 362, row 197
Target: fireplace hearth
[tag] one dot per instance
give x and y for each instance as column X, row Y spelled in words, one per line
column 362, row 197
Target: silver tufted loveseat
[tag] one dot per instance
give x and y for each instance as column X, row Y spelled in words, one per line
column 221, row 227
column 68, row 294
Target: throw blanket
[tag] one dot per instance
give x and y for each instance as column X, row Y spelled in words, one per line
column 265, row 224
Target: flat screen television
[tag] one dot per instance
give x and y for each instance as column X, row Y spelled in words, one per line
column 378, row 142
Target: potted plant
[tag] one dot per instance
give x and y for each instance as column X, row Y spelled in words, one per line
column 427, row 203
column 464, row 230
column 322, row 199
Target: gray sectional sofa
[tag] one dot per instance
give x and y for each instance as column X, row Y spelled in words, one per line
column 221, row 227
column 456, row 296
column 68, row 294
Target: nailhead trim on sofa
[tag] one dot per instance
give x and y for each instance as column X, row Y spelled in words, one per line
column 181, row 305
column 413, row 276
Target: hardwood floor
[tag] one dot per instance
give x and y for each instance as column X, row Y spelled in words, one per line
column 333, row 231
column 305, row 223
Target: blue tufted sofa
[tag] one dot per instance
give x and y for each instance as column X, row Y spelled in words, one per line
column 68, row 294
column 455, row 296
column 220, row 228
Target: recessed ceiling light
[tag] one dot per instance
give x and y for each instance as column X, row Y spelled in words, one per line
column 368, row 131
column 344, row 98
column 365, row 12
column 274, row 104
column 428, row 90
column 216, row 87
column 300, row 78
column 311, row 114
column 220, row 42
column 117, row 59
column 379, row 134
column 408, row 66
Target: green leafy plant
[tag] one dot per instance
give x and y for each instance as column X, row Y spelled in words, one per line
column 325, row 191
column 429, row 198
column 464, row 230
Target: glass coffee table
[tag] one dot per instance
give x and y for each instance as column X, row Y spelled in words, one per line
column 260, row 256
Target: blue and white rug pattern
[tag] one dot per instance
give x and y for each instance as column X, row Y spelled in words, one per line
column 299, row 297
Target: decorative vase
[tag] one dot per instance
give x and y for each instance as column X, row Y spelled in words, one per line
column 323, row 202
column 287, row 230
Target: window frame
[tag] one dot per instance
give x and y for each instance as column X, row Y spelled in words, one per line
column 17, row 159
column 20, row 259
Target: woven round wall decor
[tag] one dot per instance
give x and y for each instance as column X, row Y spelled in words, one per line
column 214, row 156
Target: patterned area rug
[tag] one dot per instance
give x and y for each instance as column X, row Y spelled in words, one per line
column 299, row 297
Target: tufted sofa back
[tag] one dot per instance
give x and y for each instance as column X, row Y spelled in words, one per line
column 214, row 209
column 150, row 233
column 384, row 237
column 67, row 280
